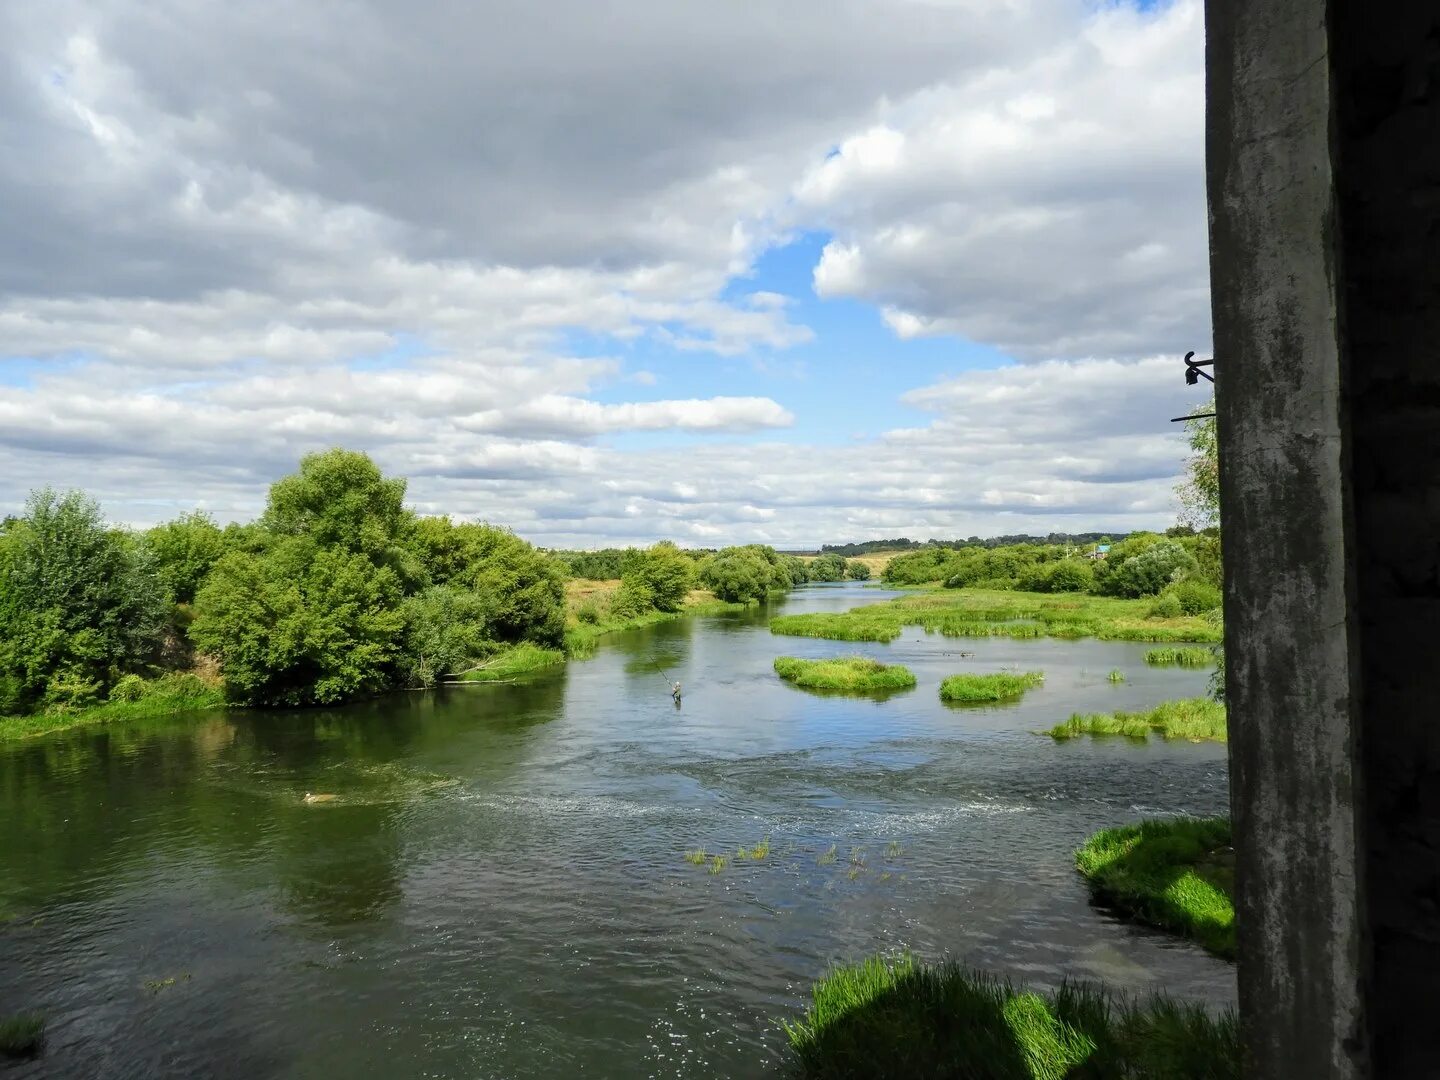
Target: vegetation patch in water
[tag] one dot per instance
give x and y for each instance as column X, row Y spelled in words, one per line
column 521, row 659
column 848, row 674
column 1176, row 873
column 999, row 686
column 697, row 857
column 884, row 1018
column 845, row 626
column 1180, row 657
column 1116, row 676
column 20, row 1035
column 1190, row 718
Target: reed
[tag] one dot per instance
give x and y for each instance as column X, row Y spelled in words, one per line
column 21, row 1034
column 1181, row 657
column 1191, row 718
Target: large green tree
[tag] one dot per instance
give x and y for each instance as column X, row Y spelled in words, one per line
column 184, row 550
column 80, row 604
column 664, row 573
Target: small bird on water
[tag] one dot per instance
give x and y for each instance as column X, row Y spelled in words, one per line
column 309, row 798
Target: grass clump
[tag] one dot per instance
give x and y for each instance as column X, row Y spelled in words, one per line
column 1177, row 874
column 1190, row 718
column 846, row 626
column 1000, row 686
column 521, row 659
column 20, row 1035
column 1181, row 657
column 698, row 857
column 718, row 863
column 848, row 674
column 1116, row 675
column 884, row 1018
column 828, row 856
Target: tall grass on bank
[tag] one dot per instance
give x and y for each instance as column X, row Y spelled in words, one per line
column 132, row 698
column 898, row 1018
column 847, row 674
column 1177, row 874
column 1181, row 657
column 591, row 619
column 515, row 661
column 1000, row 686
column 1190, row 718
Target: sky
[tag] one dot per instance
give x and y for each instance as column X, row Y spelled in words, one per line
column 799, row 273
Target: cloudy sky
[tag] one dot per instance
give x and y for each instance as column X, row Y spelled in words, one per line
column 818, row 270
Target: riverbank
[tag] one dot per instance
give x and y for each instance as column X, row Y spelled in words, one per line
column 1195, row 719
column 883, row 1018
column 1177, row 874
column 139, row 699
column 996, row 613
column 589, row 619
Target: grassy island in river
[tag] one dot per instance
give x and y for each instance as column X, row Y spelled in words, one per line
column 844, row 674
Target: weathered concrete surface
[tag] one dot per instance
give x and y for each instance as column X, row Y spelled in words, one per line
column 1324, row 179
column 1289, row 633
column 1385, row 60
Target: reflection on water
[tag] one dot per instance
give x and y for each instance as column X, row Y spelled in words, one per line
column 497, row 887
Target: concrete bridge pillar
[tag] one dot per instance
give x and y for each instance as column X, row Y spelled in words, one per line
column 1324, row 184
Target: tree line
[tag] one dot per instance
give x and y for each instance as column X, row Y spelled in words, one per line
column 338, row 591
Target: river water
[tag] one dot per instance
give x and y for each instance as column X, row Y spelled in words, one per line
column 498, row 888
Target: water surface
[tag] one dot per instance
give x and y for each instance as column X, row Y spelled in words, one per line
column 498, row 889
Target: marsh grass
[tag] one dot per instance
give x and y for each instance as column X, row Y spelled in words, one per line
column 1176, row 873
column 857, row 856
column 154, row 986
column 1116, row 676
column 718, row 863
column 1181, row 657
column 21, row 1035
column 698, row 857
column 855, row 872
column 1191, row 718
column 761, row 850
column 884, row 1018
column 146, row 699
column 828, row 856
column 990, row 613
column 521, row 659
column 978, row 689
column 893, row 850
column 846, row 674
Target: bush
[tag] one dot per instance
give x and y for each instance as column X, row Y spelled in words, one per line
column 827, row 568
column 301, row 625
column 664, row 574
column 738, row 575
column 1166, row 606
column 80, row 604
column 1147, row 573
column 444, row 633
column 1195, row 597
column 129, row 688
column 1065, row 575
column 856, row 570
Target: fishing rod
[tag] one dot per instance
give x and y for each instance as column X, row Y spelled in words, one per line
column 674, row 686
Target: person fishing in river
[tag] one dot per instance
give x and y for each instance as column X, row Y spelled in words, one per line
column 675, row 691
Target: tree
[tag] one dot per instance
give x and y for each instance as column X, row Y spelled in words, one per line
column 80, row 604
column 1200, row 490
column 665, row 573
column 827, row 568
column 856, row 570
column 340, row 499
column 301, row 624
column 522, row 589
column 184, row 550
column 738, row 575
column 1146, row 573
column 444, row 633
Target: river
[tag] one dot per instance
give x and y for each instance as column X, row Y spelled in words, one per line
column 498, row 888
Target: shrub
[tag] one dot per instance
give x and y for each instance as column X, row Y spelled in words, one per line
column 128, row 688
column 1195, row 597
column 664, row 574
column 1150, row 571
column 1166, row 606
column 856, row 570
column 738, row 575
column 827, row 568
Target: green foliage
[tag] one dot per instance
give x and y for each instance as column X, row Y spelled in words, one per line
column 132, row 698
column 1149, row 571
column 339, row 499
column 522, row 589
column 739, row 574
column 827, row 568
column 183, row 551
column 662, row 576
column 80, row 605
column 894, row 1017
column 1191, row 718
column 1000, row 686
column 445, row 632
column 301, row 624
column 1176, row 873
column 856, row 570
column 1200, row 490
column 847, row 674
column 517, row 660
column 849, row 626
column 1195, row 597
column 920, row 567
column 1063, row 576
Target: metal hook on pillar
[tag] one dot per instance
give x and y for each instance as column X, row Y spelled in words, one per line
column 1194, row 372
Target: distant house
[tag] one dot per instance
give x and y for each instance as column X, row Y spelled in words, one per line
column 1101, row 550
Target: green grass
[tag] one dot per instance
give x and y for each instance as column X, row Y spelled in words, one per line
column 1190, row 718
column 848, row 674
column 167, row 695
column 20, row 1035
column 992, row 613
column 1181, row 657
column 1177, row 874
column 718, row 863
column 698, row 857
column 898, row 1018
column 521, row 659
column 582, row 638
column 827, row 857
column 1116, row 676
column 1000, row 686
